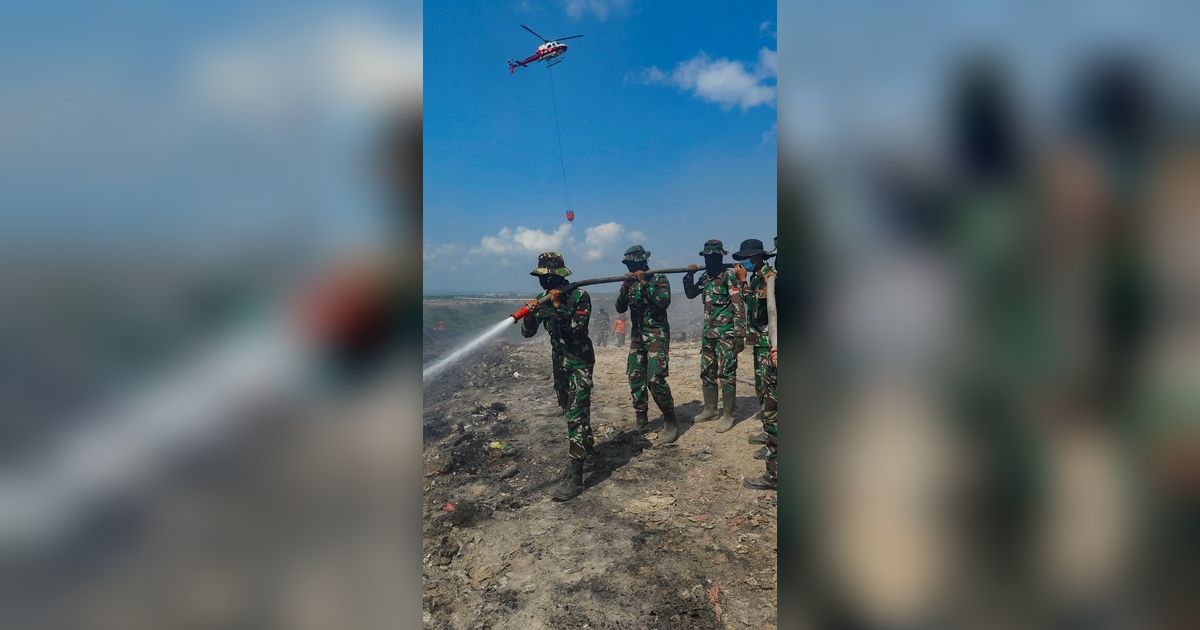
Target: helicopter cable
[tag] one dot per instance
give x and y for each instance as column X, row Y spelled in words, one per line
column 561, row 162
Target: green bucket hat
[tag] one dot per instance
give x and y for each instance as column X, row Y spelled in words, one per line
column 637, row 253
column 550, row 262
column 713, row 246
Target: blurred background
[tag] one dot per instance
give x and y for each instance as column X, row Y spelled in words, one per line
column 990, row 214
column 209, row 334
column 209, row 266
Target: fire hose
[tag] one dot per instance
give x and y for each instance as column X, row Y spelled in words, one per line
column 524, row 310
column 772, row 328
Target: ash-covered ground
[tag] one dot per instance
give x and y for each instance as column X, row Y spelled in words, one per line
column 662, row 537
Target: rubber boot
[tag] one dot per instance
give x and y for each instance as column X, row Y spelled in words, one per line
column 726, row 411
column 670, row 431
column 642, row 419
column 760, row 483
column 710, row 405
column 757, row 438
column 572, row 484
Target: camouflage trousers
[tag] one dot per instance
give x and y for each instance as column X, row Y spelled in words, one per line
column 762, row 363
column 573, row 386
column 718, row 362
column 602, row 336
column 647, row 369
column 770, row 414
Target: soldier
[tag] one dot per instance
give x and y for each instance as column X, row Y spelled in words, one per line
column 724, row 332
column 603, row 325
column 565, row 319
column 647, row 298
column 752, row 275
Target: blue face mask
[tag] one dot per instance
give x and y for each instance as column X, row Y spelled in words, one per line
column 748, row 264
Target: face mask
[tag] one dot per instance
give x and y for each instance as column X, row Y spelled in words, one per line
column 551, row 281
column 748, row 264
column 637, row 266
column 713, row 265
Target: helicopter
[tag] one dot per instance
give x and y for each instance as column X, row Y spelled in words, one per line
column 551, row 51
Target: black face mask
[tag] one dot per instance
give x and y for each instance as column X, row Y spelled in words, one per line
column 641, row 265
column 713, row 265
column 552, row 281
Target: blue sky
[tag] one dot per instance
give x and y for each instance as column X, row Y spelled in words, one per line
column 667, row 117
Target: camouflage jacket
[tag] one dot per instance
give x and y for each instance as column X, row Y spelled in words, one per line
column 647, row 305
column 724, row 313
column 567, row 325
column 755, row 290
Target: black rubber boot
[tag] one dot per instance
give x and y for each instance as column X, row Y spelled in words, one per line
column 757, row 438
column 710, row 405
column 760, row 483
column 642, row 419
column 572, row 484
column 670, row 431
column 727, row 398
column 761, row 453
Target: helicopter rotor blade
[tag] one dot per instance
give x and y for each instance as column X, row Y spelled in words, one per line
column 534, row 34
column 559, row 39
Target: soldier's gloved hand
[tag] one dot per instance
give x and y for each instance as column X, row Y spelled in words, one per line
column 740, row 272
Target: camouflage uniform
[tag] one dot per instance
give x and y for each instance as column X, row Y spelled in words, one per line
column 603, row 327
column 724, row 323
column 572, row 353
column 650, row 337
column 755, row 292
column 765, row 375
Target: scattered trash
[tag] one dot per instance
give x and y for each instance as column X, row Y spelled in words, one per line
column 649, row 504
column 516, row 375
column 509, row 472
column 505, row 449
column 449, row 507
column 713, row 594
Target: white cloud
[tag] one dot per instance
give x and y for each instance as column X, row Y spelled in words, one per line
column 598, row 239
column 722, row 81
column 442, row 251
column 766, row 29
column 342, row 61
column 601, row 8
column 524, row 240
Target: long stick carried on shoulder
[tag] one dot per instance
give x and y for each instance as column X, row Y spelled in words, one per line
column 524, row 310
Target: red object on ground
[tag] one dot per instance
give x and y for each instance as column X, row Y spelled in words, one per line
column 449, row 507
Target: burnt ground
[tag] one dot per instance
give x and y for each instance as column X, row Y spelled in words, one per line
column 662, row 536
